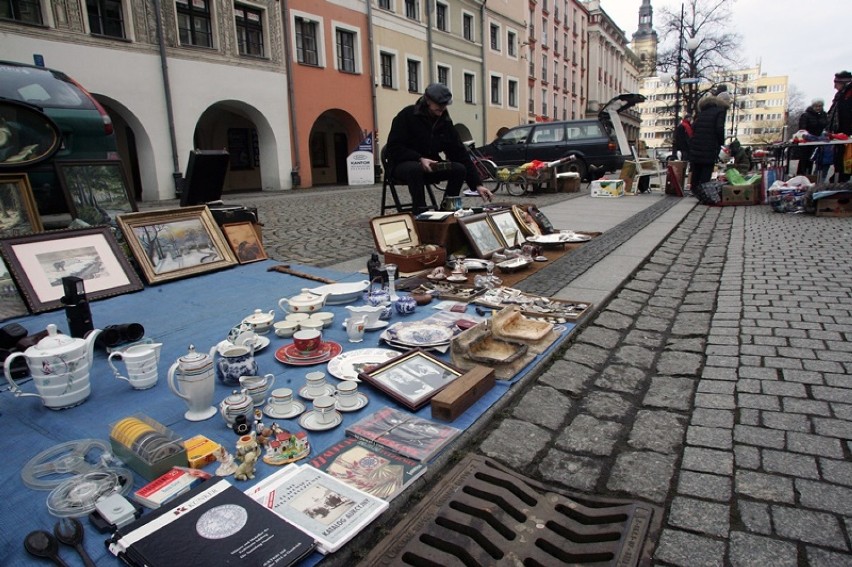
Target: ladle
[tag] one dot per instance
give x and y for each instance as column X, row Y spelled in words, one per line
column 41, row 544
column 70, row 532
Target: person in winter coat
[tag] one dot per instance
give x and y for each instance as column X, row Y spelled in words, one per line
column 813, row 120
column 708, row 136
column 418, row 134
column 840, row 119
column 682, row 136
column 742, row 161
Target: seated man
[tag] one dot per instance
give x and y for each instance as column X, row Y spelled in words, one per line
column 418, row 134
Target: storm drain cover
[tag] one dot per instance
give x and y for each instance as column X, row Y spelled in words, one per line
column 485, row 514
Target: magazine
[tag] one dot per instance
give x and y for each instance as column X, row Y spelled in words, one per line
column 404, row 433
column 212, row 524
column 369, row 467
column 330, row 511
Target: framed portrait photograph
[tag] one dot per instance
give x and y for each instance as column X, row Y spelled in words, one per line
column 507, row 226
column 176, row 243
column 244, row 241
column 412, row 378
column 38, row 263
column 96, row 191
column 482, row 235
column 18, row 211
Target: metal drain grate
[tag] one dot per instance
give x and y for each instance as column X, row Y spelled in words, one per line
column 483, row 514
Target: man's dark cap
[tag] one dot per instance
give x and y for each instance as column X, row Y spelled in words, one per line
column 439, row 94
column 843, row 76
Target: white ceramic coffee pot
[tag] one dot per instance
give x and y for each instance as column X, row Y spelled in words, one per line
column 192, row 377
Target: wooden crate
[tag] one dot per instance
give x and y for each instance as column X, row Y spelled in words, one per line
column 454, row 400
column 839, row 205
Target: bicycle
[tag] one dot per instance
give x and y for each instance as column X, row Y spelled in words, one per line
column 486, row 168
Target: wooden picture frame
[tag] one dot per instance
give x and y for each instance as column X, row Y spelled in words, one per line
column 482, row 235
column 245, row 241
column 507, row 226
column 176, row 243
column 96, row 191
column 38, row 263
column 20, row 213
column 412, row 378
column 11, row 302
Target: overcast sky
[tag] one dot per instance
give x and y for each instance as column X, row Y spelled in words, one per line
column 803, row 39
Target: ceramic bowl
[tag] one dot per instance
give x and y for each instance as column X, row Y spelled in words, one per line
column 327, row 317
column 298, row 317
column 311, row 323
column 285, row 329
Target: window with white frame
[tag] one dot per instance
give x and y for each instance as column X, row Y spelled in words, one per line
column 467, row 26
column 442, row 22
column 385, row 4
column 468, row 87
column 345, row 41
column 306, row 41
column 194, row 22
column 106, row 17
column 387, row 62
column 413, row 68
column 512, row 94
column 496, row 89
column 412, row 9
column 494, row 33
column 249, row 30
column 512, row 44
column 444, row 75
column 28, row 11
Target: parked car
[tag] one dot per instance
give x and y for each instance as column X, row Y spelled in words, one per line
column 85, row 127
column 592, row 141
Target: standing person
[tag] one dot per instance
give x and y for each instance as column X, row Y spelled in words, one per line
column 708, row 136
column 681, row 138
column 813, row 120
column 840, row 120
column 418, row 134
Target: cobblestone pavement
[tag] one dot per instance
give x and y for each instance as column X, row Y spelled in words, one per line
column 324, row 226
column 716, row 383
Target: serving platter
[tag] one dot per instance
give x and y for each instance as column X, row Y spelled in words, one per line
column 514, row 264
column 342, row 292
column 347, row 365
column 419, row 334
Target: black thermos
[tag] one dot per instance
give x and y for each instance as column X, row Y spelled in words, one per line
column 76, row 307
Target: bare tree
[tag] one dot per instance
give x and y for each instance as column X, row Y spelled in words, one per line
column 796, row 105
column 717, row 51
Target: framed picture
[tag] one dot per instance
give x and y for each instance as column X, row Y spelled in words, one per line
column 507, row 226
column 96, row 191
column 175, row 243
column 412, row 378
column 244, row 241
column 18, row 211
column 11, row 303
column 482, row 235
column 38, row 263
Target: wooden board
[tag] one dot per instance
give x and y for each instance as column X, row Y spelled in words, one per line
column 462, row 393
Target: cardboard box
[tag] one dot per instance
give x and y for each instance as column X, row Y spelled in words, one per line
column 568, row 182
column 454, row 400
column 397, row 239
column 200, row 451
column 607, row 188
column 839, row 205
column 740, row 195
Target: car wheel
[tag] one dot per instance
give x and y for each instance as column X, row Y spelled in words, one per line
column 578, row 166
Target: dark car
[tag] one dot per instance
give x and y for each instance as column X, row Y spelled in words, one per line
column 593, row 142
column 85, row 127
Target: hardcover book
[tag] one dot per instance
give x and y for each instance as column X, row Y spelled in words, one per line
column 404, row 433
column 330, row 511
column 212, row 524
column 369, row 467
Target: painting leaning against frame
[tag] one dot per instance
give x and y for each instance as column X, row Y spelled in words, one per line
column 18, row 212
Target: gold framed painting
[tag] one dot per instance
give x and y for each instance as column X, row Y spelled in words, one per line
column 18, row 211
column 176, row 243
column 245, row 241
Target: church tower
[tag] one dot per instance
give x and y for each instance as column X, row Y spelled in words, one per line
column 645, row 41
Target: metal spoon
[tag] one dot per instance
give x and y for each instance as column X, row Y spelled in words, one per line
column 41, row 544
column 70, row 532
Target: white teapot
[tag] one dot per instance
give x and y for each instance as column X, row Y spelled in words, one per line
column 59, row 366
column 192, row 378
column 238, row 403
column 305, row 302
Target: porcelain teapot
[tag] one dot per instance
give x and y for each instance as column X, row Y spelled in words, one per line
column 192, row 377
column 260, row 321
column 59, row 366
column 238, row 403
column 305, row 302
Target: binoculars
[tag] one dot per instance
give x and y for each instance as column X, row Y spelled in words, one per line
column 114, row 335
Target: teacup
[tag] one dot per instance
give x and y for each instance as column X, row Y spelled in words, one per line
column 347, row 394
column 311, row 323
column 141, row 362
column 285, row 329
column 325, row 316
column 257, row 387
column 297, row 317
column 324, row 408
column 315, row 382
column 307, row 340
column 281, row 399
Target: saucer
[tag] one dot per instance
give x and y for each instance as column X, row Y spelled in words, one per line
column 296, row 408
column 260, row 343
column 373, row 327
column 289, row 355
column 329, row 391
column 309, row 421
column 362, row 401
column 457, row 278
column 436, row 278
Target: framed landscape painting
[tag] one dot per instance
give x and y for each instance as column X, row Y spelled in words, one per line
column 96, row 191
column 482, row 235
column 38, row 263
column 11, row 303
column 245, row 241
column 176, row 243
column 18, row 212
